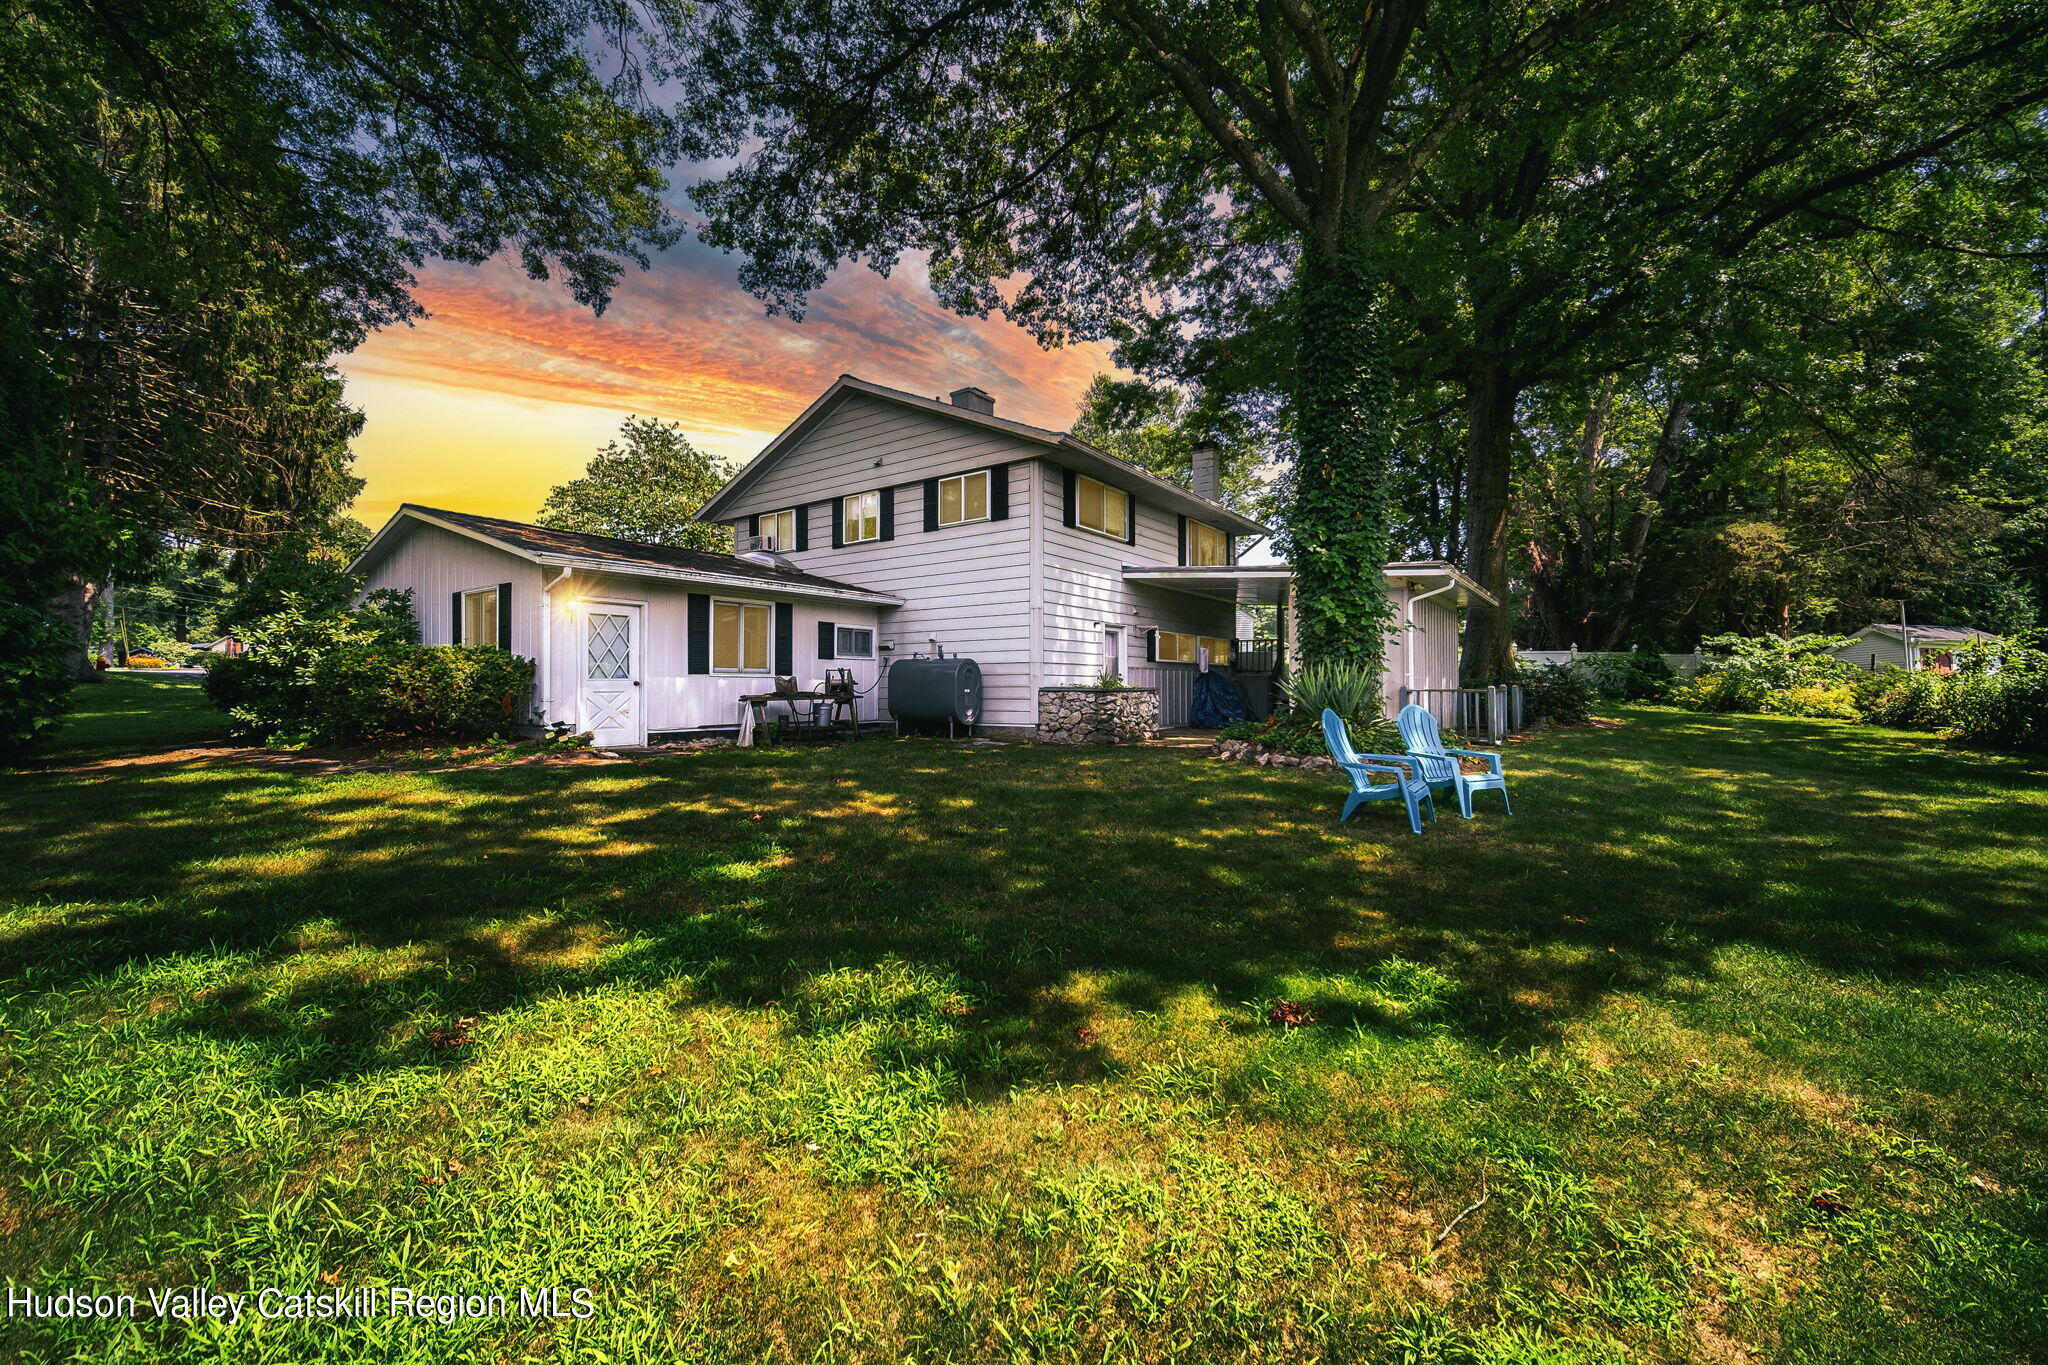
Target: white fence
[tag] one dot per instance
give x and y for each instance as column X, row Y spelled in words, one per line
column 1684, row 665
column 1491, row 712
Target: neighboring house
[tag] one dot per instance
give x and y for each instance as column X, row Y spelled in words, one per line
column 1911, row 647
column 1044, row 559
column 226, row 644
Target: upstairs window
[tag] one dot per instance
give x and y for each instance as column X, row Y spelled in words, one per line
column 480, row 618
column 1206, row 544
column 779, row 530
column 860, row 517
column 1101, row 508
column 963, row 498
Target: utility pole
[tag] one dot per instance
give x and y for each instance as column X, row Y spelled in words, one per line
column 1906, row 637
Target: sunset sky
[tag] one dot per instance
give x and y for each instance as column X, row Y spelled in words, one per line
column 508, row 388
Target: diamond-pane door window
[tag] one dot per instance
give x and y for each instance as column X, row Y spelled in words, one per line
column 611, row 647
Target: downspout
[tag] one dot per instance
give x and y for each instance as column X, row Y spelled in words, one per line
column 547, row 651
column 1408, row 643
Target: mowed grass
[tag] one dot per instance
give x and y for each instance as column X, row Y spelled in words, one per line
column 1729, row 1046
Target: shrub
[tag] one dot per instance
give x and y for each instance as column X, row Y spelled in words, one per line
column 322, row 677
column 34, row 690
column 1770, row 662
column 1346, row 689
column 1557, row 693
column 1301, row 734
column 1906, row 701
column 1626, row 677
column 1834, row 702
column 2008, row 709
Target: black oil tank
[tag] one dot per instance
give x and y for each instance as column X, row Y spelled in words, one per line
column 935, row 689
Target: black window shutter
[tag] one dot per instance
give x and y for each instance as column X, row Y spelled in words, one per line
column 828, row 640
column 785, row 638
column 931, row 504
column 888, row 518
column 803, row 526
column 1183, row 540
column 1068, row 498
column 754, row 524
column 700, row 632
column 455, row 629
column 505, row 617
column 1130, row 520
column 1151, row 646
column 837, row 507
column 1230, row 549
column 999, row 493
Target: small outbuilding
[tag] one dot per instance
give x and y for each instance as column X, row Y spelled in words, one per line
column 1893, row 645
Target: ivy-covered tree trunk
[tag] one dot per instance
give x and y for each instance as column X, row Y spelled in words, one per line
column 1490, row 395
column 1339, row 514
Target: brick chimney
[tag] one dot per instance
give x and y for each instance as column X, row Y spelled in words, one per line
column 974, row 400
column 1205, row 471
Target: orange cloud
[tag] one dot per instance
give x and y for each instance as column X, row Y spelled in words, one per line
column 507, row 388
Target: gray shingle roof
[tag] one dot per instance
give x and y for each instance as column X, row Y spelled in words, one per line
column 630, row 554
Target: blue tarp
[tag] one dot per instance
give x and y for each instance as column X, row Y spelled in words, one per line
column 1217, row 702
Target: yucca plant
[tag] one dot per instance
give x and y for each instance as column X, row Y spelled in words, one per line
column 1349, row 690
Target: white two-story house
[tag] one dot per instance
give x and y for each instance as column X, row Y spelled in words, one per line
column 882, row 526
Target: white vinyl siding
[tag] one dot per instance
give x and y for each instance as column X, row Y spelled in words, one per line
column 435, row 563
column 963, row 498
column 969, row 586
column 1085, row 593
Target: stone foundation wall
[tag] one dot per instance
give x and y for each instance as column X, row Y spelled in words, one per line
column 1097, row 715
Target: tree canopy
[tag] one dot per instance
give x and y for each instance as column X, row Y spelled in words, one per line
column 647, row 485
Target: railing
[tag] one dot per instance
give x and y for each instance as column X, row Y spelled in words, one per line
column 1492, row 713
column 1254, row 656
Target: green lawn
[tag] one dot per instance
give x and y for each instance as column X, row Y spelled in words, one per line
column 918, row 1051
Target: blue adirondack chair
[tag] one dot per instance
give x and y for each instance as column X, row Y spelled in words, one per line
column 1407, row 785
column 1440, row 765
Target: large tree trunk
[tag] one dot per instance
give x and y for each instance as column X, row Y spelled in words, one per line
column 1340, row 513
column 1490, row 397
column 73, row 610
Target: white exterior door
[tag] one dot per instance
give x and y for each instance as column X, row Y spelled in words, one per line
column 1113, row 651
column 610, row 707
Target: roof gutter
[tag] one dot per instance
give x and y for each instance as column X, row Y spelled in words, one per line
column 608, row 566
column 1408, row 642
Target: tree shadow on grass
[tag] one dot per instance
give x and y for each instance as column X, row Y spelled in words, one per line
column 1638, row 856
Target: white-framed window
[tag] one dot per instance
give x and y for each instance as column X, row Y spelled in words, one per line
column 1098, row 507
column 740, row 636
column 963, row 498
column 1207, row 544
column 853, row 642
column 860, row 517
column 480, row 618
column 779, row 529
column 1219, row 649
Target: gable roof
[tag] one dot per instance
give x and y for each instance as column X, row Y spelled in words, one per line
column 609, row 554
column 1060, row 446
column 1930, row 635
